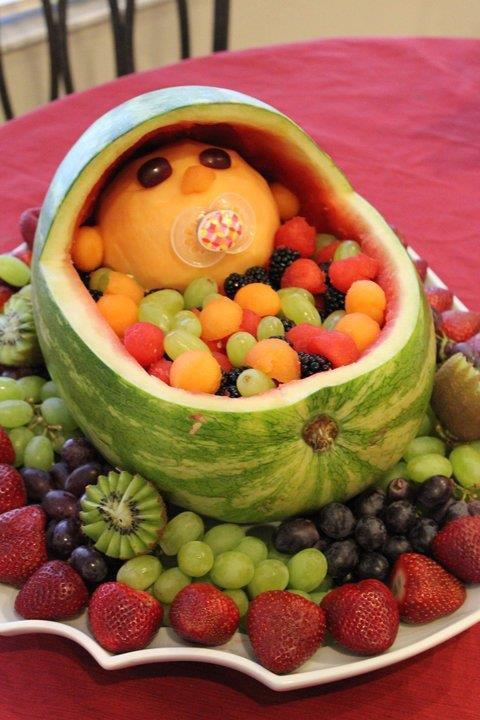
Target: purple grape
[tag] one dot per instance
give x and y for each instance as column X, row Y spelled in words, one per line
column 372, row 565
column 59, row 504
column 457, row 509
column 342, row 556
column 395, row 546
column 59, row 473
column 435, row 491
column 76, row 452
column 369, row 503
column 65, row 537
column 336, row 520
column 422, row 533
column 399, row 516
column 89, row 563
column 82, row 476
column 295, row 535
column 439, row 513
column 322, row 543
column 400, row 489
column 370, row 533
column 37, row 483
column 474, row 507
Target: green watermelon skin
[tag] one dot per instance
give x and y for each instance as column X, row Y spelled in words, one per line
column 250, row 464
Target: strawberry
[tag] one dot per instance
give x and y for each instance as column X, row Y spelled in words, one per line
column 28, row 224
column 12, row 489
column 457, row 548
column 285, row 629
column 7, row 452
column 202, row 614
column 22, row 543
column 423, row 589
column 362, row 617
column 54, row 592
column 460, row 325
column 123, row 619
column 439, row 298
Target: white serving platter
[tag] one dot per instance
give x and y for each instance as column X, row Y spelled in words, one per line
column 327, row 665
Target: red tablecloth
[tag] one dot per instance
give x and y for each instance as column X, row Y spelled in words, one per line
column 402, row 118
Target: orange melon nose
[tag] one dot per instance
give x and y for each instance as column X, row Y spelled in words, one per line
column 196, row 179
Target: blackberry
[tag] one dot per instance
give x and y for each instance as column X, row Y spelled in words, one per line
column 312, row 364
column 334, row 300
column 96, row 294
column 279, row 261
column 228, row 385
column 287, row 324
column 84, row 277
column 256, row 274
column 232, row 284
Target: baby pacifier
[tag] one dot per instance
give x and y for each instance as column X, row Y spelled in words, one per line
column 201, row 237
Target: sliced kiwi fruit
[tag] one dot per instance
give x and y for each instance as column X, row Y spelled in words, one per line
column 18, row 338
column 456, row 398
column 123, row 514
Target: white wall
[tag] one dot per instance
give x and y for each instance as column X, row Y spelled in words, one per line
column 253, row 23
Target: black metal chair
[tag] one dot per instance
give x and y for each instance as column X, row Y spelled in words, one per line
column 122, row 23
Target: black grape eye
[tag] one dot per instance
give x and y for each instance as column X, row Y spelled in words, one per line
column 153, row 172
column 215, row 158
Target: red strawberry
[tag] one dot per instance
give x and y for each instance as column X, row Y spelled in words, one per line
column 362, row 617
column 12, row 489
column 54, row 592
column 305, row 274
column 343, row 273
column 123, row 619
column 298, row 235
column 439, row 298
column 460, row 325
column 7, row 453
column 202, row 614
column 423, row 589
column 285, row 629
column 22, row 543
column 421, row 266
column 457, row 547
column 28, row 224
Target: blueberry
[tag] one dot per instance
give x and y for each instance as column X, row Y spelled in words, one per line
column 457, row 509
column 422, row 533
column 336, row 520
column 400, row 489
column 435, row 491
column 395, row 546
column 474, row 507
column 399, row 516
column 89, row 563
column 372, row 565
column 371, row 502
column 342, row 557
column 295, row 535
column 370, row 533
column 65, row 537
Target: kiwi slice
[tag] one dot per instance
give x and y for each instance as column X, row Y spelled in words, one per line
column 123, row 514
column 18, row 338
column 456, row 398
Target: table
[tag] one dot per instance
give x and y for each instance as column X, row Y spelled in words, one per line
column 401, row 118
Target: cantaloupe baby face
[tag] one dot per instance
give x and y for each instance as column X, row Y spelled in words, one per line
column 198, row 221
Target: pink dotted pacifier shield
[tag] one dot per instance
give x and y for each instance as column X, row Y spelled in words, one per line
column 201, row 237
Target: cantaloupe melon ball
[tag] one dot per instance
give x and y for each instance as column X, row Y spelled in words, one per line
column 136, row 221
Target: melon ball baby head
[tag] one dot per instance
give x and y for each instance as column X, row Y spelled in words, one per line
column 183, row 211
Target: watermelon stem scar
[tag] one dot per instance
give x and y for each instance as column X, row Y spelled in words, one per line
column 320, row 433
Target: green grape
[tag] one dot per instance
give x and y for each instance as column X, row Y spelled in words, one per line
column 238, row 346
column 307, row 569
column 254, row 548
column 49, row 390
column 195, row 558
column 422, row 467
column 197, row 291
column 55, row 412
column 270, row 326
column 274, row 554
column 140, row 572
column 179, row 530
column 13, row 271
column 322, row 240
column 10, row 389
column 398, row 470
column 232, row 570
column 347, row 248
column 299, row 310
column 253, row 382
column 325, row 585
column 317, row 596
column 31, row 386
column 14, row 413
column 269, row 575
column 188, row 321
column 170, row 300
column 285, row 292
column 155, row 314
column 302, row 593
column 20, row 437
column 475, row 444
column 169, row 583
column 39, row 453
column 180, row 341
column 210, row 298
column 331, row 320
column 240, row 599
column 224, row 537
column 426, row 427
column 465, row 461
column 423, row 445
